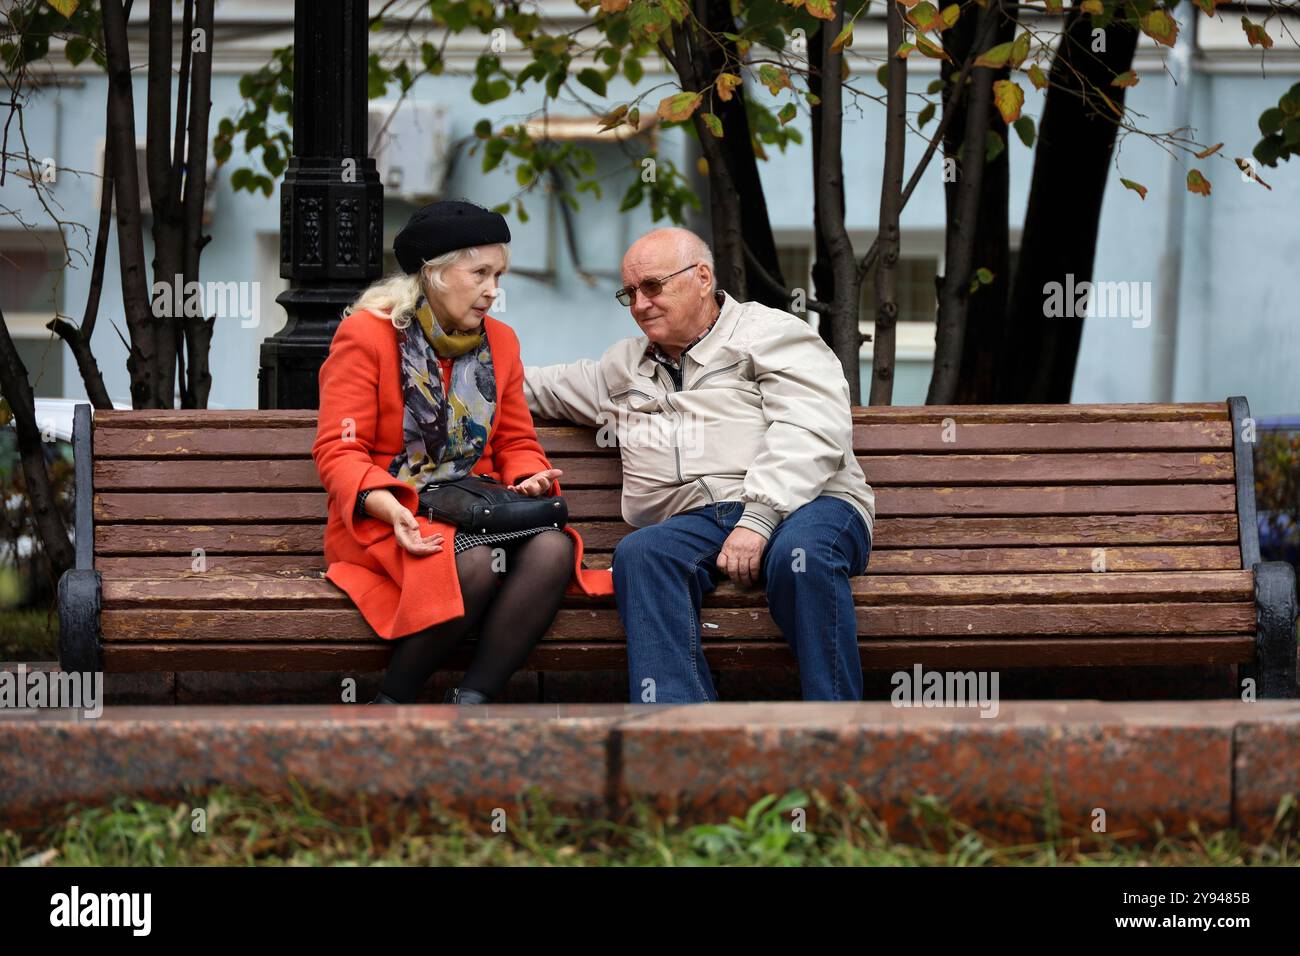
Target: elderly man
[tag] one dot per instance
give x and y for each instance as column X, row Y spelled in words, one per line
column 737, row 446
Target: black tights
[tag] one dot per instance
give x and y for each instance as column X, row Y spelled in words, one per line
column 511, row 618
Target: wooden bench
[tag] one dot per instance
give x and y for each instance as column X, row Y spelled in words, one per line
column 1006, row 536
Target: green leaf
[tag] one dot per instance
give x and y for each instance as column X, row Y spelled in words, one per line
column 935, row 85
column 788, row 112
column 1136, row 187
column 77, row 49
column 633, row 70
column 713, row 123
column 993, row 146
column 926, row 114
column 1025, row 130
column 493, row 154
column 1270, row 121
column 592, row 80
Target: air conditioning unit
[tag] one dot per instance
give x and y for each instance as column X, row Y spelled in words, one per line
column 410, row 144
column 141, row 168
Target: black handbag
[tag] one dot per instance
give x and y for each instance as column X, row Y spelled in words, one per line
column 479, row 504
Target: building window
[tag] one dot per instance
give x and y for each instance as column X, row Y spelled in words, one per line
column 30, row 296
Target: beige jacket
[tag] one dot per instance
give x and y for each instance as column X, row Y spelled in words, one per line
column 762, row 417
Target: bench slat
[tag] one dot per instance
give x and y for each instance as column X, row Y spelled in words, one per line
column 262, row 506
column 991, row 653
column 1027, row 621
column 892, row 437
column 941, row 533
column 908, row 561
column 212, row 590
column 131, row 474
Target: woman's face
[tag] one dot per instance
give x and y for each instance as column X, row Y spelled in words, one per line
column 472, row 286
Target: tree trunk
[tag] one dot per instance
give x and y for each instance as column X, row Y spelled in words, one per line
column 198, row 329
column 986, row 309
column 167, row 228
column 1075, row 140
column 823, row 273
column 141, row 361
column 830, row 208
column 45, row 513
column 959, row 247
column 891, row 207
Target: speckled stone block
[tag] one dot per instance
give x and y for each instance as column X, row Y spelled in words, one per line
column 1267, row 770
column 470, row 760
column 1137, row 762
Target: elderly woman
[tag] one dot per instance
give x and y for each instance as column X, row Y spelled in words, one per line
column 422, row 386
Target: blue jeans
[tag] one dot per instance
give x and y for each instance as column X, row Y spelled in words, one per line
column 662, row 572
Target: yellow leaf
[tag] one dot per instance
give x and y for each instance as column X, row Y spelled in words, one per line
column 1160, row 26
column 1136, row 187
column 613, row 118
column 65, row 7
column 1126, row 79
column 930, row 49
column 1092, row 6
column 923, row 16
column 702, row 165
column 950, row 14
column 726, row 82
column 821, row 9
column 679, row 106
column 1037, row 76
column 1054, row 6
column 1197, row 183
column 1256, row 34
column 1009, row 97
column 1206, row 153
column 844, row 39
column 995, row 56
column 1019, row 50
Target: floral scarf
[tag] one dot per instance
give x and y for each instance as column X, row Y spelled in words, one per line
column 444, row 434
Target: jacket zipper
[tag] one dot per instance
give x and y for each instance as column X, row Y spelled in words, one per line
column 708, row 375
column 677, row 451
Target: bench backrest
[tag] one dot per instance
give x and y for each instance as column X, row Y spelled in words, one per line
column 962, row 489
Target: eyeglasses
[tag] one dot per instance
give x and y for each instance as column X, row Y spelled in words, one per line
column 649, row 287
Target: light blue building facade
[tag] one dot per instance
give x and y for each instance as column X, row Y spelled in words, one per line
column 1230, row 321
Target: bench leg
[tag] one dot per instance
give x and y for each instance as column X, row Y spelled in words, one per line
column 79, row 603
column 1275, row 634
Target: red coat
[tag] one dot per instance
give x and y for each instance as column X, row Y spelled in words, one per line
column 358, row 433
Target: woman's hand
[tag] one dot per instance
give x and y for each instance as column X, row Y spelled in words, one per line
column 538, row 485
column 407, row 530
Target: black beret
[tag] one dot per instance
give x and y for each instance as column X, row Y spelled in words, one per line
column 443, row 226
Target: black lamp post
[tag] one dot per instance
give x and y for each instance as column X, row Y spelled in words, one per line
column 331, row 200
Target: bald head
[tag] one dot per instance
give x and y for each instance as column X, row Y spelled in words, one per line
column 684, row 306
column 687, row 246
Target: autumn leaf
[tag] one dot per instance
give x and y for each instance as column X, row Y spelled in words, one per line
column 1019, row 51
column 1092, row 6
column 788, row 112
column 1136, row 187
column 1126, row 79
column 1256, row 34
column 1054, row 6
column 713, row 123
column 613, row 118
column 726, row 83
column 679, row 106
column 844, row 39
column 931, row 50
column 1197, row 183
column 1037, row 76
column 1251, row 173
column 65, row 7
column 613, row 6
column 1160, row 26
column 821, row 9
column 902, row 52
column 774, row 78
column 995, row 56
column 950, row 14
column 1206, row 153
column 1008, row 97
column 923, row 16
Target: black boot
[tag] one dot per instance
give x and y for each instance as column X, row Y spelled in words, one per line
column 382, row 698
column 463, row 695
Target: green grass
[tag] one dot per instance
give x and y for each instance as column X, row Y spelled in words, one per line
column 31, row 634
column 243, row 829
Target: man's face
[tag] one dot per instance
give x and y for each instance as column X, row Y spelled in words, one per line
column 671, row 318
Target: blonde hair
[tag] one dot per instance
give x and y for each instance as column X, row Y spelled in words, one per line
column 394, row 297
